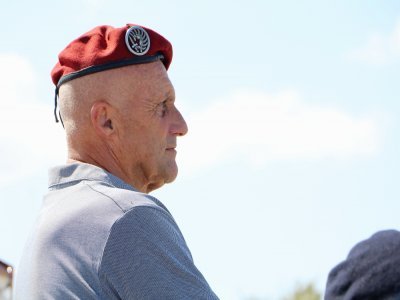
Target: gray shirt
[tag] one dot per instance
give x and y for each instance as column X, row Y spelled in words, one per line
column 98, row 238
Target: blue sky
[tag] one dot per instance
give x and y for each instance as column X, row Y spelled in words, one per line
column 292, row 154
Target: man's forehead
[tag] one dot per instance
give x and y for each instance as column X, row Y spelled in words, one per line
column 149, row 81
column 146, row 75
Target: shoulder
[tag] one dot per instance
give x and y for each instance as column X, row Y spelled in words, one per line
column 123, row 198
column 147, row 257
column 146, row 222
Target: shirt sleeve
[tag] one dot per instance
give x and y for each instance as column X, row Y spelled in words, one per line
column 146, row 257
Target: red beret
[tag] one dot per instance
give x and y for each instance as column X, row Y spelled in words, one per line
column 105, row 47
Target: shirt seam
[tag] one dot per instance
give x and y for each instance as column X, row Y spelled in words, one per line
column 105, row 195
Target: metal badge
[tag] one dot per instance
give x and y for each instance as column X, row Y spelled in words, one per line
column 137, row 40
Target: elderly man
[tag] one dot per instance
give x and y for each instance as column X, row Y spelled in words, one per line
column 99, row 234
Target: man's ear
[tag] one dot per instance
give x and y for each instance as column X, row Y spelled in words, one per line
column 101, row 116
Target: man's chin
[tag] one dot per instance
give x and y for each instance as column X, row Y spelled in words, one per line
column 172, row 173
column 158, row 184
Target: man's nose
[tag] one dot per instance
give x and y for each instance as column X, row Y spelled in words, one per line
column 179, row 126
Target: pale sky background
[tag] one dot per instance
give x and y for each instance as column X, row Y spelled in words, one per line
column 292, row 154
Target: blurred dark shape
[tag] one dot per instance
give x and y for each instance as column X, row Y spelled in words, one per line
column 371, row 270
column 6, row 278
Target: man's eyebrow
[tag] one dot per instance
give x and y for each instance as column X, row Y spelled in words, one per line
column 169, row 96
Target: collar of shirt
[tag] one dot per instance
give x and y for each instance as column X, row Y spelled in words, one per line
column 68, row 174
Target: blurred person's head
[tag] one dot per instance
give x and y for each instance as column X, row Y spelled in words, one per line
column 370, row 271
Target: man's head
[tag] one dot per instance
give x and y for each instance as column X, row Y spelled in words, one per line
column 124, row 118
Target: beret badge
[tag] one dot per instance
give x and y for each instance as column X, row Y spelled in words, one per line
column 137, row 40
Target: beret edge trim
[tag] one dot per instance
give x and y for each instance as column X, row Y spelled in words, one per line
column 108, row 66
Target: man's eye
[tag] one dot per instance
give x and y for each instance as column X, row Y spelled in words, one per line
column 163, row 109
